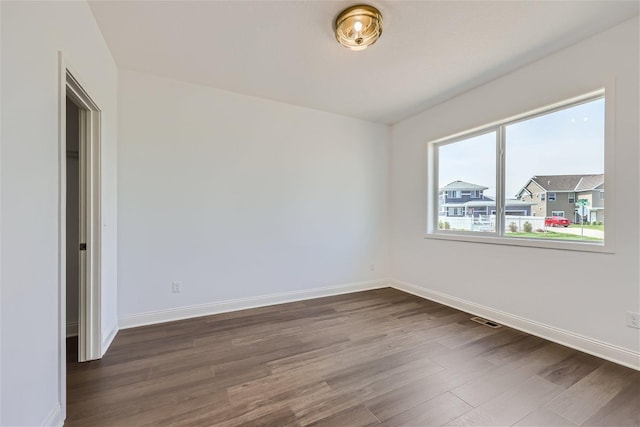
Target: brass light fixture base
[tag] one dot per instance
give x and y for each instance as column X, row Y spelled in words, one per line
column 358, row 27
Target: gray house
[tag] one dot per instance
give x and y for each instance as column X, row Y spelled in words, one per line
column 556, row 195
column 459, row 198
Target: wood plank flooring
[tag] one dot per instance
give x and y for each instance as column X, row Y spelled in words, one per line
column 379, row 357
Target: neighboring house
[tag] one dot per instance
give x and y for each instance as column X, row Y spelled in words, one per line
column 556, row 195
column 460, row 198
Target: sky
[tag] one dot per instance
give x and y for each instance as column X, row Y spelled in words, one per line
column 570, row 141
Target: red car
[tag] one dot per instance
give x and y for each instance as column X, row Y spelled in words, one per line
column 556, row 221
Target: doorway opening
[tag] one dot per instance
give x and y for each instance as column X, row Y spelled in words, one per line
column 84, row 130
column 79, row 227
column 80, row 212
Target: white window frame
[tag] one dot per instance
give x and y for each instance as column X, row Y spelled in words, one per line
column 555, row 213
column 551, row 196
column 572, row 199
column 498, row 236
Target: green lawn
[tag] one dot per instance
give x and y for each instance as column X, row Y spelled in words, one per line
column 551, row 235
column 590, row 227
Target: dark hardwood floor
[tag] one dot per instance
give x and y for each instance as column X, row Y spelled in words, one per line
column 368, row 358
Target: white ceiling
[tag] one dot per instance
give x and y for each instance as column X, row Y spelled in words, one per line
column 286, row 51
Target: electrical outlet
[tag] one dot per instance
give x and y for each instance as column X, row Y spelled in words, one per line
column 176, row 287
column 633, row 319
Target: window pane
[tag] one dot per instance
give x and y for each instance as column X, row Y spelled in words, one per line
column 560, row 154
column 467, row 181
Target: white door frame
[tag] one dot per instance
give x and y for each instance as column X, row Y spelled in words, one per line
column 89, row 304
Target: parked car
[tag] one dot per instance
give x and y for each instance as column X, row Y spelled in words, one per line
column 556, row 221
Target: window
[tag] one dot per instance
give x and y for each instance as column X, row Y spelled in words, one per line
column 478, row 153
column 602, row 195
column 561, row 147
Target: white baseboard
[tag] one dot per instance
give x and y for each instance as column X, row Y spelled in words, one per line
column 179, row 313
column 592, row 346
column 54, row 419
column 72, row 329
column 106, row 341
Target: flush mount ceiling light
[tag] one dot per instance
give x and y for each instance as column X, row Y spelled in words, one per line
column 358, row 27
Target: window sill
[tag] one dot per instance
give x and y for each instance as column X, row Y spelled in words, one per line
column 520, row 241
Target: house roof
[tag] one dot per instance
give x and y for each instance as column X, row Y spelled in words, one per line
column 568, row 182
column 590, row 182
column 524, row 190
column 461, row 185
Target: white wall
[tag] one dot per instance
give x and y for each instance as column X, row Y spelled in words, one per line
column 241, row 197
column 546, row 286
column 32, row 35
